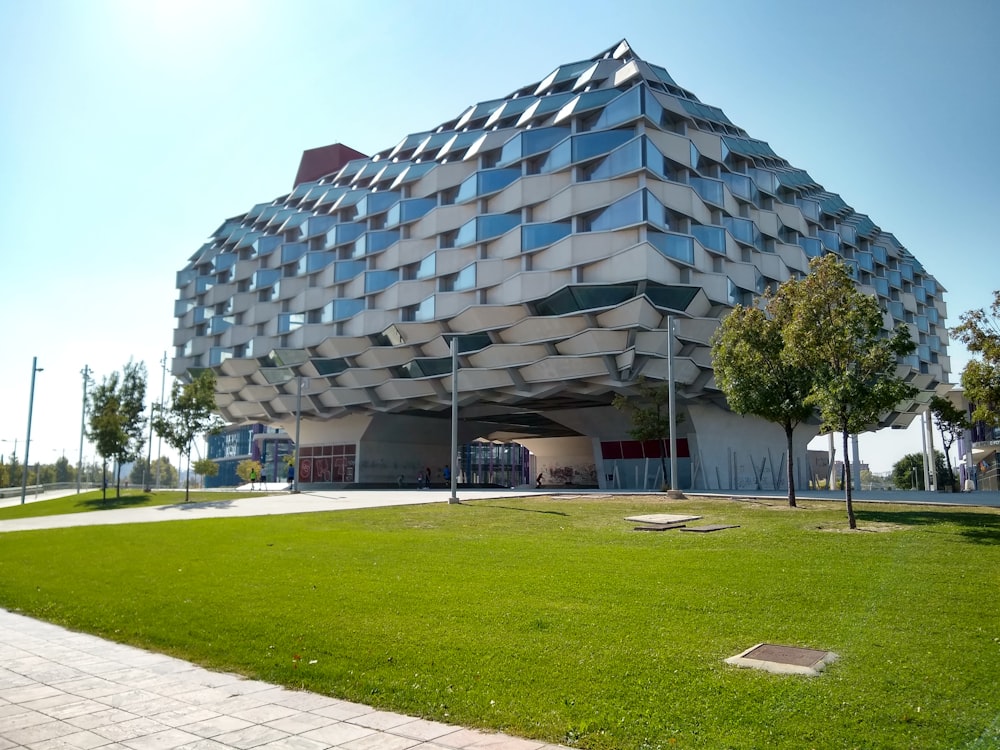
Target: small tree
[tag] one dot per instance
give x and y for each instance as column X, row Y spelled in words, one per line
column 980, row 332
column 837, row 332
column 247, row 469
column 951, row 423
column 756, row 373
column 206, row 467
column 650, row 415
column 908, row 472
column 117, row 421
column 189, row 415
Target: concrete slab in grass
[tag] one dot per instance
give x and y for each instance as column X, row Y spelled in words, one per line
column 783, row 659
column 662, row 519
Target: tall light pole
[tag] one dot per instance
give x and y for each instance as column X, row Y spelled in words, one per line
column 27, row 443
column 671, row 404
column 83, row 421
column 159, row 439
column 454, row 422
column 299, row 382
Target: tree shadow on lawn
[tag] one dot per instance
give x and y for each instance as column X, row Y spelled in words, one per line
column 979, row 528
column 196, row 505
column 112, row 503
column 523, row 510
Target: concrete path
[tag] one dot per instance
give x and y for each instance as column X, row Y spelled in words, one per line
column 60, row 689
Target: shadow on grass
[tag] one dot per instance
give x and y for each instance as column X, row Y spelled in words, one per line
column 112, row 503
column 523, row 510
column 979, row 528
column 198, row 505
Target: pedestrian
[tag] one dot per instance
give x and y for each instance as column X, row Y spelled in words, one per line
column 291, row 475
column 263, row 479
column 538, row 482
column 420, row 480
column 253, row 477
column 447, row 474
column 427, row 477
column 399, row 481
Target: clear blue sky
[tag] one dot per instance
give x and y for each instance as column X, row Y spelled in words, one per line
column 129, row 129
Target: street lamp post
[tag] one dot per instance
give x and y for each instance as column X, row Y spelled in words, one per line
column 27, row 443
column 454, row 422
column 83, row 421
column 299, row 382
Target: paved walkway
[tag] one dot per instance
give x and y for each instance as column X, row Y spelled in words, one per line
column 60, row 689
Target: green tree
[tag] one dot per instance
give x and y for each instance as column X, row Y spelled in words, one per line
column 757, row 374
column 206, row 467
column 649, row 413
column 980, row 332
column 189, row 415
column 64, row 472
column 4, row 475
column 248, row 470
column 837, row 332
column 167, row 473
column 908, row 472
column 117, row 417
column 951, row 423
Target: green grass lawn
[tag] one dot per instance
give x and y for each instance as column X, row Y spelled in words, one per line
column 552, row 619
column 93, row 500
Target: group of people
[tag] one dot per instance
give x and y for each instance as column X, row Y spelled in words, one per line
column 424, row 478
column 263, row 477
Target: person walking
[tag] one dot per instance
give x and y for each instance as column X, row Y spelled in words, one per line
column 253, row 477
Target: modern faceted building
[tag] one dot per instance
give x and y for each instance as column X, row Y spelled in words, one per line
column 553, row 231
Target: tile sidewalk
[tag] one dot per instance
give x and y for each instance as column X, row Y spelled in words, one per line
column 60, row 689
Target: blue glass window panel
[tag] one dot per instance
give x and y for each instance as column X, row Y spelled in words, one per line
column 293, row 251
column 706, row 112
column 425, row 310
column 677, row 246
column 931, row 286
column 185, row 277
column 380, row 240
column 247, row 238
column 486, row 182
column 413, row 173
column 663, row 74
column 625, row 108
column 409, row 210
column 848, row 234
column 924, row 352
column 651, row 107
column 626, row 212
column 695, row 156
column 852, row 267
column 881, row 254
column 347, row 269
column 181, row 307
column 809, row 208
column 486, row 227
column 934, row 342
column 759, row 283
column 545, row 105
column 264, row 277
column 318, row 260
column 201, row 314
column 830, row 240
column 341, row 309
column 427, row 266
column 318, row 225
column 224, row 261
column 344, row 233
column 736, row 294
column 374, row 203
column 267, row 244
column 671, row 297
column 204, row 283
column 865, row 260
column 882, row 287
column 655, row 212
column 511, row 108
column 534, row 236
column 218, row 354
column 767, row 182
column 709, row 190
column 743, row 230
column 594, row 99
column 332, row 195
column 922, row 324
column 376, row 281
column 327, row 367
column 465, row 279
column 290, row 321
column 920, row 294
column 712, row 238
column 558, row 158
column 656, row 162
column 219, row 323
column 895, row 279
column 907, row 270
column 897, row 311
column 424, row 368
column 588, row 145
column 531, row 142
column 740, row 185
column 626, row 159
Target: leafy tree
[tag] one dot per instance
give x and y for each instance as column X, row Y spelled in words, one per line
column 206, row 467
column 649, row 410
column 189, row 415
column 248, row 468
column 167, row 473
column 64, row 472
column 117, row 421
column 836, row 331
column 980, row 332
column 757, row 374
column 951, row 423
column 4, row 475
column 911, row 466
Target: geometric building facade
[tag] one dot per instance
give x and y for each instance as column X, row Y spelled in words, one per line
column 553, row 231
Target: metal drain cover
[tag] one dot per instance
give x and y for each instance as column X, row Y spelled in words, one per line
column 783, row 659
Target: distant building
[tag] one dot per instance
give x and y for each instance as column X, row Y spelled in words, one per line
column 237, row 443
column 554, row 231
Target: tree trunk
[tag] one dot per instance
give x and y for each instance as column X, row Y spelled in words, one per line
column 187, row 477
column 851, row 520
column 791, row 473
column 947, row 458
column 663, row 465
